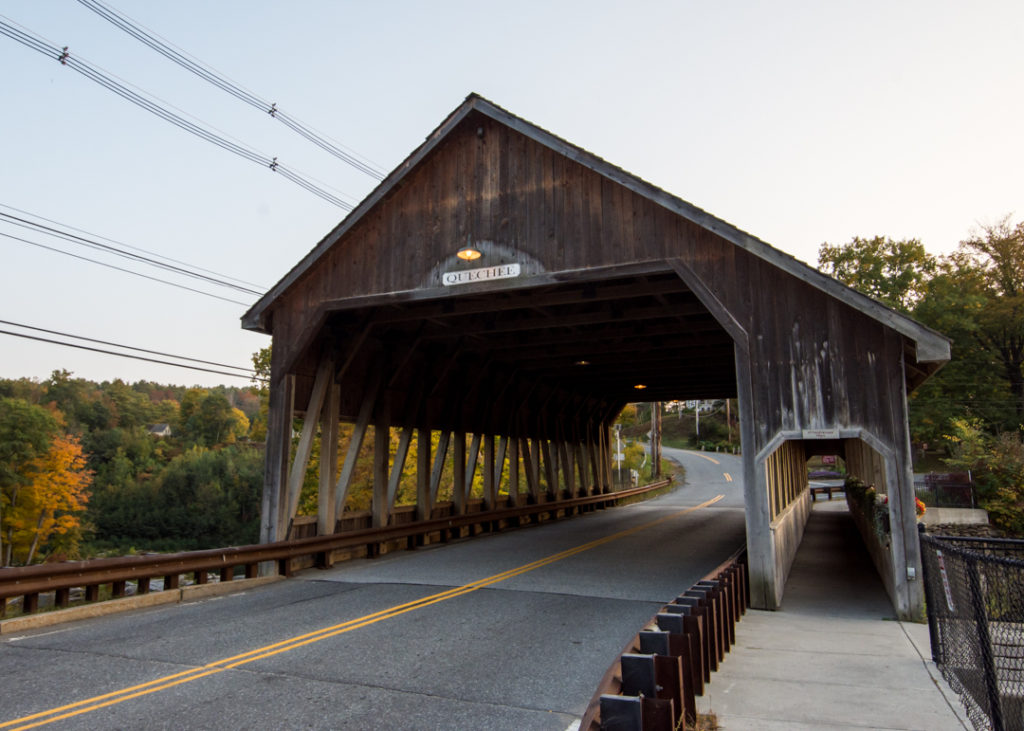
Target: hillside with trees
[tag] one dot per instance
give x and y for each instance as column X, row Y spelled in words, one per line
column 90, row 468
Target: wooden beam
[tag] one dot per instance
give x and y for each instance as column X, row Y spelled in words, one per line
column 499, row 464
column 395, row 479
column 279, row 439
column 531, row 299
column 568, row 468
column 459, row 473
column 513, row 471
column 424, row 505
column 326, row 517
column 582, row 458
column 490, row 480
column 354, row 445
column 321, row 383
column 533, row 489
column 381, row 457
column 473, row 458
column 439, row 458
column 550, row 469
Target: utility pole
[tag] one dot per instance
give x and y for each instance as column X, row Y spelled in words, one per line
column 619, row 456
column 728, row 418
column 655, row 439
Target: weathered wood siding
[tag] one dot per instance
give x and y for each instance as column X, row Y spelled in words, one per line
column 813, row 357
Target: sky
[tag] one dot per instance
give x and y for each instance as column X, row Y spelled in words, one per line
column 798, row 122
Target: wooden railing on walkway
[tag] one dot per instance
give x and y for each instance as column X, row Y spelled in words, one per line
column 654, row 683
column 29, row 582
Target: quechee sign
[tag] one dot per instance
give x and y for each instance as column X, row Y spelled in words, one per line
column 468, row 276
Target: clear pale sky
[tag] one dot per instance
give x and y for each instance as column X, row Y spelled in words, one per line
column 799, row 122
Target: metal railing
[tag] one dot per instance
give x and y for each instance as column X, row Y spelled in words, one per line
column 946, row 490
column 974, row 589
column 29, row 582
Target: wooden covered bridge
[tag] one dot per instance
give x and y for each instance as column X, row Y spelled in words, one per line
column 512, row 292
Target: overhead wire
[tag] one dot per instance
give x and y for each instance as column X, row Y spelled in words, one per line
column 259, row 287
column 107, row 248
column 246, row 369
column 122, row 269
column 128, row 355
column 196, row 67
column 92, row 73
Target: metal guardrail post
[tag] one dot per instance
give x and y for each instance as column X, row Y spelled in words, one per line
column 995, row 711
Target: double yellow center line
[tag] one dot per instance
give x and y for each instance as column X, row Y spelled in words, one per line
column 228, row 663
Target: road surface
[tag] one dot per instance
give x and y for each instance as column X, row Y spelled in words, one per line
column 505, row 631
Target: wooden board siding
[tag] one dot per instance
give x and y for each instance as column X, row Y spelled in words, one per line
column 487, row 182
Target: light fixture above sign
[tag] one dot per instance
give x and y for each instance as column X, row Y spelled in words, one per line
column 640, row 386
column 468, row 253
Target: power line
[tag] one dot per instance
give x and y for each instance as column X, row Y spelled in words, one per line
column 260, row 287
column 66, row 59
column 122, row 269
column 248, row 370
column 195, row 66
column 127, row 355
column 75, row 239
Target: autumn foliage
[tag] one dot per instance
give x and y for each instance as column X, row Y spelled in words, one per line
column 45, row 513
column 43, row 483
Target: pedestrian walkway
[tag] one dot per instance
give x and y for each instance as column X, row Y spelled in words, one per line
column 833, row 657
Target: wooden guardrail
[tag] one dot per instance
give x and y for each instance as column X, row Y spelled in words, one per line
column 29, row 582
column 654, row 683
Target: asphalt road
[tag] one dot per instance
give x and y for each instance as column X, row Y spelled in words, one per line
column 506, row 631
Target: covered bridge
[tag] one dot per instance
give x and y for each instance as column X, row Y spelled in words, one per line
column 508, row 288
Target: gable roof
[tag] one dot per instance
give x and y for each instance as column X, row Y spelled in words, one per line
column 929, row 345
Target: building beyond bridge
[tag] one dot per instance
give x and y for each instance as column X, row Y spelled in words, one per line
column 503, row 293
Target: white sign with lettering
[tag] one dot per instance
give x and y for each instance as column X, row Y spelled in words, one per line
column 468, row 276
column 821, row 433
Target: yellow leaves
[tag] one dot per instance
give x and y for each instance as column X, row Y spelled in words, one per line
column 49, row 503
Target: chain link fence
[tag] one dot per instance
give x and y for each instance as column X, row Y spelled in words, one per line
column 974, row 589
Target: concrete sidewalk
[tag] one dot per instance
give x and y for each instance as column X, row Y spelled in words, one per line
column 833, row 657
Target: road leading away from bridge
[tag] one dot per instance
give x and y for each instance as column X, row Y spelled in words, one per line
column 506, row 631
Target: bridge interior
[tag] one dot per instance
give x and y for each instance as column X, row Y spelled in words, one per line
column 530, row 361
column 528, row 377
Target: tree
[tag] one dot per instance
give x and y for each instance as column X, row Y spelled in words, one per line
column 26, row 432
column 976, row 298
column 261, row 381
column 996, row 257
column 892, row 272
column 49, row 506
column 208, row 419
column 997, row 468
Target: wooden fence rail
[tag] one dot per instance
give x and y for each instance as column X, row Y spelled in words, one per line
column 654, row 684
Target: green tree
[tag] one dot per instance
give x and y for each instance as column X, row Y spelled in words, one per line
column 976, row 298
column 26, row 433
column 892, row 272
column 261, row 382
column 996, row 256
column 996, row 464
column 207, row 419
